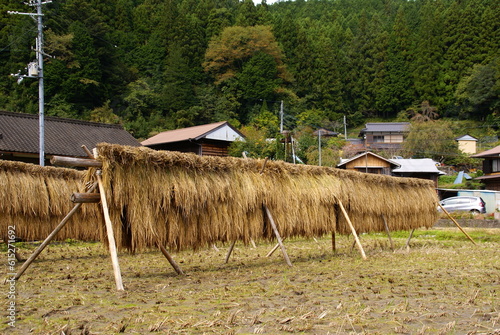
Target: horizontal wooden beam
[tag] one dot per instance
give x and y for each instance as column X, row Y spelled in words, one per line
column 72, row 161
column 85, row 197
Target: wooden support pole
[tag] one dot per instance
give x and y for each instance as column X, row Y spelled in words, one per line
column 87, row 151
column 85, row 198
column 72, row 161
column 253, row 243
column 456, row 223
column 334, row 248
column 409, row 238
column 277, row 234
column 230, row 251
column 50, row 237
column 109, row 230
column 111, row 236
column 269, row 254
column 170, row 259
column 388, row 233
column 360, row 247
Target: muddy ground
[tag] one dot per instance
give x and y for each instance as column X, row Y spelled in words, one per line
column 442, row 285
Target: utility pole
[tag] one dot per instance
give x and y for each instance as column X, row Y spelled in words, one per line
column 281, row 117
column 319, row 147
column 345, row 129
column 35, row 70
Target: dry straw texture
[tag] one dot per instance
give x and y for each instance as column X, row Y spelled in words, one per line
column 187, row 201
column 35, row 199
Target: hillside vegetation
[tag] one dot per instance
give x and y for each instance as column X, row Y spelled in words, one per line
column 158, row 65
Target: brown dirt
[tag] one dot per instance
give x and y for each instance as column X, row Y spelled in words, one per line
column 437, row 287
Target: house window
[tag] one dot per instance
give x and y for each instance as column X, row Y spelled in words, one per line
column 495, row 165
column 394, row 138
column 378, row 139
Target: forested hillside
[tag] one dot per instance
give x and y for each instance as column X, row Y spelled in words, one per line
column 154, row 65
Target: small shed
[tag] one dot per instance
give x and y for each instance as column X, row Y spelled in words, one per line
column 467, row 144
column 368, row 162
column 205, row 140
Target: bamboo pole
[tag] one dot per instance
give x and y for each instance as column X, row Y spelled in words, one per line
column 388, row 233
column 51, row 236
column 456, row 223
column 360, row 247
column 230, row 251
column 170, row 259
column 277, row 234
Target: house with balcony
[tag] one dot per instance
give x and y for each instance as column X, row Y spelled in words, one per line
column 381, row 136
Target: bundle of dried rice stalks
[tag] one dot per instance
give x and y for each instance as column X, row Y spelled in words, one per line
column 187, row 201
column 35, row 199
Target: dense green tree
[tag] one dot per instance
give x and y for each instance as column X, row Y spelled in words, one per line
column 396, row 90
column 427, row 62
column 479, row 93
column 431, row 139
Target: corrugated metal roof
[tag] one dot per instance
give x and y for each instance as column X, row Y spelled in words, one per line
column 466, row 138
column 185, row 134
column 19, row 132
column 424, row 165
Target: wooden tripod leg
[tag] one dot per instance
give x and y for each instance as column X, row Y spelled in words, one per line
column 456, row 224
column 334, row 248
column 360, row 247
column 111, row 236
column 170, row 259
column 230, row 251
column 274, row 249
column 51, row 236
column 387, row 231
column 409, row 238
column 278, row 237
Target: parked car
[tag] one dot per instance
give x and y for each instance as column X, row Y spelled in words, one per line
column 475, row 205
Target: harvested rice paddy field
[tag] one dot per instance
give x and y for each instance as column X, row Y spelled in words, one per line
column 442, row 285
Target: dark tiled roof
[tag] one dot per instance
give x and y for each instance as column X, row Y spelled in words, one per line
column 386, row 127
column 20, row 133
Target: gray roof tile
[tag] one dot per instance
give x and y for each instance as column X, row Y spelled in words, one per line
column 19, row 132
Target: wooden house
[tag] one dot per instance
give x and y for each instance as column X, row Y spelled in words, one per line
column 368, row 162
column 491, row 168
column 384, row 135
column 205, row 140
column 19, row 137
